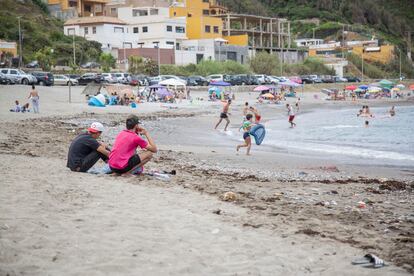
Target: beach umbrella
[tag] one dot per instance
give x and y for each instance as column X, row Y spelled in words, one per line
column 261, row 88
column 395, row 89
column 401, row 86
column 214, row 89
column 412, row 87
column 364, row 87
column 219, row 83
column 351, row 87
column 374, row 89
column 268, row 95
column 386, row 90
column 358, row 90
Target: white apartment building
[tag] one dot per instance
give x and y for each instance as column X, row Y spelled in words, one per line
column 306, row 42
column 111, row 32
column 153, row 26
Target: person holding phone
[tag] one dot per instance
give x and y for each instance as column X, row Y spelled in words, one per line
column 123, row 157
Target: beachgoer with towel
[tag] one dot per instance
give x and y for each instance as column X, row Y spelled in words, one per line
column 34, row 97
column 123, row 157
column 85, row 150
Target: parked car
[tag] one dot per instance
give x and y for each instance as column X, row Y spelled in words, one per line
column 73, row 76
column 90, row 78
column 327, row 79
column 306, row 79
column 6, row 80
column 315, row 78
column 236, row 79
column 90, row 65
column 65, row 80
column 44, row 78
column 352, row 79
column 273, row 80
column 108, row 78
column 33, row 64
column 197, row 81
column 140, row 80
column 340, row 79
column 121, row 77
column 263, row 79
column 19, row 76
column 213, row 78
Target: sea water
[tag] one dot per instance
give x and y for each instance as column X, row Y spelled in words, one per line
column 341, row 134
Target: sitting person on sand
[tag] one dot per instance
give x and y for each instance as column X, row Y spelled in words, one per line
column 123, row 157
column 85, row 150
column 17, row 107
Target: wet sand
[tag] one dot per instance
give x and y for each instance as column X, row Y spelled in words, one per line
column 301, row 218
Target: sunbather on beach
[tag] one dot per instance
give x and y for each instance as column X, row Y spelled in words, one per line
column 85, row 150
column 247, row 125
column 224, row 115
column 123, row 157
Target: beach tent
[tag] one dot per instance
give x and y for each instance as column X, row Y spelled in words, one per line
column 363, row 87
column 219, row 83
column 214, row 89
column 374, row 89
column 163, row 92
column 98, row 100
column 386, row 84
column 261, row 88
column 351, row 87
column 155, row 86
column 173, row 83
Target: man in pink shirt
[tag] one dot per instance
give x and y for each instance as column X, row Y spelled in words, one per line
column 123, row 157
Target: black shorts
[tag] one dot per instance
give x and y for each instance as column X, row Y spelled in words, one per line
column 132, row 163
column 245, row 135
column 223, row 115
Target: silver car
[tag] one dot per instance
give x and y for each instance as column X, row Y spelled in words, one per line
column 19, row 76
column 65, row 80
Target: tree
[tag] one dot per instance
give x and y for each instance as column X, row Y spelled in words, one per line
column 140, row 65
column 107, row 62
column 45, row 58
column 264, row 63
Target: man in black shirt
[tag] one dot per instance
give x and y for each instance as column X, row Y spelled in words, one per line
column 85, row 150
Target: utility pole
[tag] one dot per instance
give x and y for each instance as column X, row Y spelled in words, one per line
column 157, row 43
column 74, row 48
column 400, row 63
column 20, row 44
column 362, row 69
column 409, row 46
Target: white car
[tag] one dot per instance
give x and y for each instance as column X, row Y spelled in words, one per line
column 19, row 76
column 109, row 78
column 64, row 80
column 213, row 78
column 273, row 80
column 122, row 77
column 263, row 79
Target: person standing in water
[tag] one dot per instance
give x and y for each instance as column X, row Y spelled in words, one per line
column 34, row 97
column 247, row 125
column 246, row 109
column 392, row 111
column 224, row 115
column 256, row 113
column 291, row 115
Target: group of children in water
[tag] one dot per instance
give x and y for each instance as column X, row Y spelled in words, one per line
column 365, row 112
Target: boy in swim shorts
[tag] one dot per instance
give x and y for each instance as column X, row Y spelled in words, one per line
column 291, row 115
column 224, row 115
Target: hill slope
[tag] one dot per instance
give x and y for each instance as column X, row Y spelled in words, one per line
column 41, row 32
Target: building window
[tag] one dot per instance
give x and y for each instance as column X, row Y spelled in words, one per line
column 216, row 29
column 206, row 12
column 169, row 28
column 170, row 44
column 206, row 1
column 180, row 30
column 71, row 31
column 189, row 14
column 118, row 30
column 94, row 30
column 86, row 30
column 136, row 13
column 113, row 12
column 135, row 30
column 145, row 29
column 153, row 11
column 207, row 29
column 177, row 46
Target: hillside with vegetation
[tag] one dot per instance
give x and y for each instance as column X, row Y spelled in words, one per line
column 43, row 37
column 386, row 20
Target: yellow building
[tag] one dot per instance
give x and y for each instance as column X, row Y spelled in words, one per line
column 83, row 7
column 8, row 47
column 383, row 54
column 201, row 22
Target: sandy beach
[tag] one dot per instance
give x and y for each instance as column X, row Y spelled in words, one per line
column 292, row 214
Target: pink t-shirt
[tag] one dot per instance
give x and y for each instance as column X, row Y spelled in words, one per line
column 125, row 146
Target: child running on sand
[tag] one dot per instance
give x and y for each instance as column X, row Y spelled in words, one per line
column 247, row 125
column 224, row 115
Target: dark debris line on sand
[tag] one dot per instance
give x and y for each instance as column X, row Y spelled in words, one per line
column 384, row 226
